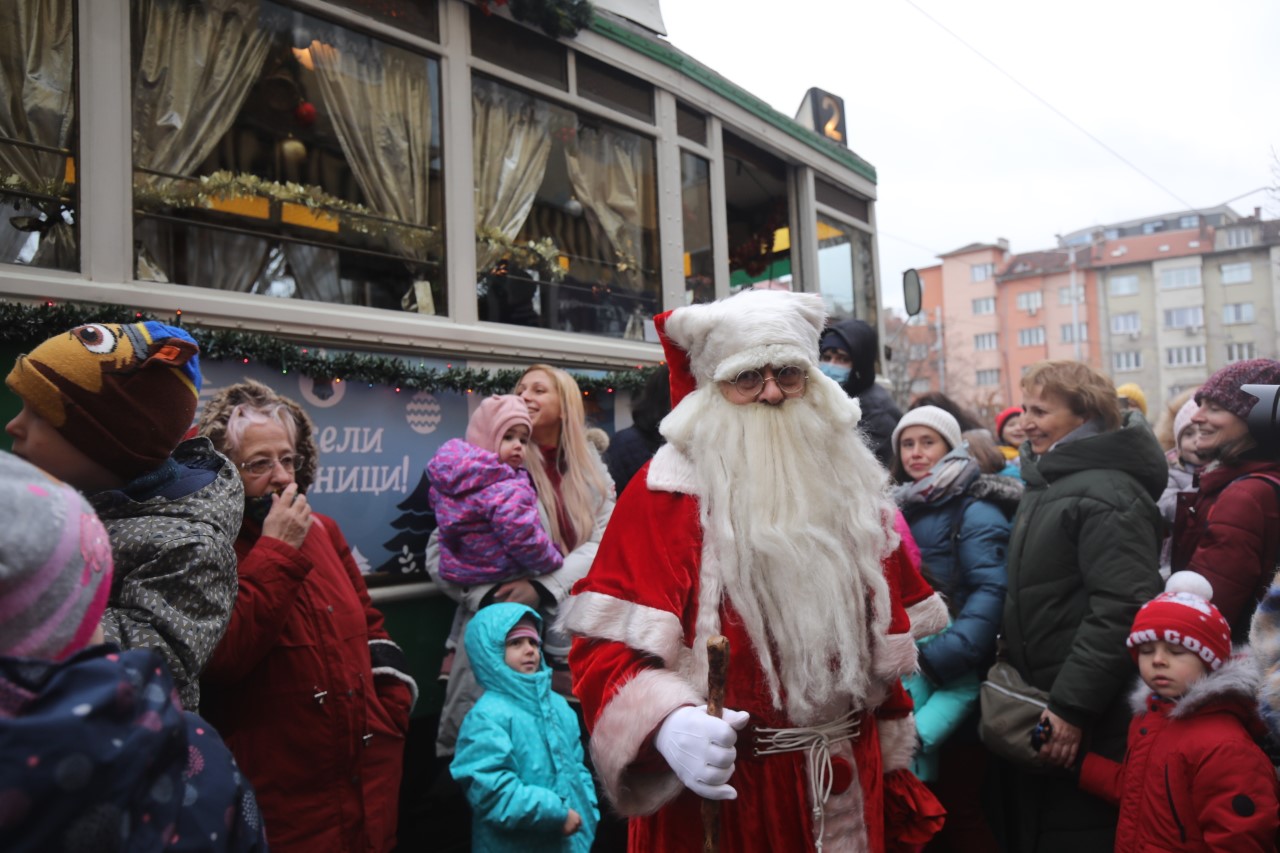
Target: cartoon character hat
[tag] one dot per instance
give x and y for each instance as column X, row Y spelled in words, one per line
column 716, row 341
column 526, row 627
column 1182, row 420
column 493, row 417
column 1004, row 417
column 55, row 564
column 1224, row 388
column 123, row 394
column 1133, row 394
column 939, row 420
column 1182, row 615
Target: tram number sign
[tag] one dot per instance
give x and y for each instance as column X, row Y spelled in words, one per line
column 824, row 112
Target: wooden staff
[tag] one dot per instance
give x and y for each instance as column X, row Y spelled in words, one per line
column 717, row 672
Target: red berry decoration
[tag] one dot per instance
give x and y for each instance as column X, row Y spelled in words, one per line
column 305, row 114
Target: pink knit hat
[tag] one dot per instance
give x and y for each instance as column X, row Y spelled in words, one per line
column 525, row 628
column 1182, row 420
column 55, row 564
column 493, row 417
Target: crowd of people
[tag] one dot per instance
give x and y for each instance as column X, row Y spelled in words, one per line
column 1056, row 631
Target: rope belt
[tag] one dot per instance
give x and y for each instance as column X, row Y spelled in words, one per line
column 815, row 742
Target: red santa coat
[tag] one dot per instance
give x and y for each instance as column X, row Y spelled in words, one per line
column 1193, row 779
column 309, row 693
column 635, row 618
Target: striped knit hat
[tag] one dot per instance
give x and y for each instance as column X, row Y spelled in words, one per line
column 55, row 564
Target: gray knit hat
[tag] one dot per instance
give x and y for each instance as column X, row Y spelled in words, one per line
column 55, row 564
column 939, row 420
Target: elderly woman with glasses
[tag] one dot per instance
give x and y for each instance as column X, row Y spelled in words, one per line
column 306, row 687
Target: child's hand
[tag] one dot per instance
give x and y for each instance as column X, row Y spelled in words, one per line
column 572, row 823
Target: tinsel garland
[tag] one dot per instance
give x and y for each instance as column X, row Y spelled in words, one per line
column 28, row 325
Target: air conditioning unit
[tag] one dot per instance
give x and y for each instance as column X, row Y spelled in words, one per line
column 1133, row 336
column 1193, row 330
column 1032, row 311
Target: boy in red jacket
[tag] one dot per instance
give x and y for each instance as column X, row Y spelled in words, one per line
column 1193, row 778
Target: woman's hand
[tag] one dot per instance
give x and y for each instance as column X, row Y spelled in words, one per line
column 572, row 823
column 289, row 518
column 1063, row 744
column 518, row 592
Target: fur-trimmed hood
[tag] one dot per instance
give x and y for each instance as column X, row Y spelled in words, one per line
column 213, row 422
column 1005, row 492
column 1234, row 684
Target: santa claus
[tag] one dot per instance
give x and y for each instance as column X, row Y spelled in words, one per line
column 764, row 518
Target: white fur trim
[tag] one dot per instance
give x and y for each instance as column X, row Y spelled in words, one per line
column 897, row 742
column 750, row 358
column 644, row 629
column 928, row 617
column 714, row 332
column 408, row 681
column 896, row 656
column 626, row 722
column 671, row 471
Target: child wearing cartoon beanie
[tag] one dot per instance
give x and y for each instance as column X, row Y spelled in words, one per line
column 104, row 408
column 486, row 507
column 1193, row 777
column 95, row 753
column 519, row 757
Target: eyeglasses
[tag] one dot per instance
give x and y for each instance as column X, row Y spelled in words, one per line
column 263, row 465
column 789, row 379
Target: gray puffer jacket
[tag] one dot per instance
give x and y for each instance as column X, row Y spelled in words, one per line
column 175, row 566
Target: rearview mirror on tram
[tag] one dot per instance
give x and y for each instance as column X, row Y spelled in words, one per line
column 911, row 292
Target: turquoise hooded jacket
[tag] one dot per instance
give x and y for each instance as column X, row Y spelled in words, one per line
column 519, row 753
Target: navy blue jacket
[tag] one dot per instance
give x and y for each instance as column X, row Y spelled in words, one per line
column 971, row 573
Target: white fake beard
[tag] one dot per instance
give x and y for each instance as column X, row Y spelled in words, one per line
column 796, row 523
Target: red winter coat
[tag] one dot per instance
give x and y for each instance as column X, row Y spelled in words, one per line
column 1229, row 531
column 292, row 689
column 636, row 616
column 1193, row 779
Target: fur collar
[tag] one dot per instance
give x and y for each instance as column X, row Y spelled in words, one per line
column 1237, row 681
column 1003, row 491
column 671, row 471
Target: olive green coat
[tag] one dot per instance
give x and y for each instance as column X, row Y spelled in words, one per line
column 1083, row 557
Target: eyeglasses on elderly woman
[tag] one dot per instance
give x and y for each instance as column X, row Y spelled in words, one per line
column 263, row 465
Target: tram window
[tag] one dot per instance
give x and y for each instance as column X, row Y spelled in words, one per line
column 845, row 275
column 525, row 51
column 613, row 88
column 37, row 160
column 566, row 217
column 691, row 124
column 419, row 17
column 842, row 201
column 699, row 265
column 271, row 182
column 756, row 210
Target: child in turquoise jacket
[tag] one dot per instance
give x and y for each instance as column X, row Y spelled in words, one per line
column 940, row 709
column 519, row 753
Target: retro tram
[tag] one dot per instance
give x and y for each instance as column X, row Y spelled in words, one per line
column 403, row 185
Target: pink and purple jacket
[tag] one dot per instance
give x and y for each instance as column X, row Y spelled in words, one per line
column 487, row 513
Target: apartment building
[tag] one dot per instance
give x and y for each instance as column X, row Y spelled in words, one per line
column 1180, row 304
column 1161, row 301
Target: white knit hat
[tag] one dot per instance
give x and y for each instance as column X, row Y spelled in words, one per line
column 938, row 420
column 752, row 329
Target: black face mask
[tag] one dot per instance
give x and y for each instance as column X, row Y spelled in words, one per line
column 256, row 509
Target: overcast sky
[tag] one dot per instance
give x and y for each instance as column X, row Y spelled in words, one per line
column 1188, row 92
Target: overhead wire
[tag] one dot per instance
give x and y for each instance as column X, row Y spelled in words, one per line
column 1113, row 152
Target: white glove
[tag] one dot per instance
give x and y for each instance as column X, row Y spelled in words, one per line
column 700, row 749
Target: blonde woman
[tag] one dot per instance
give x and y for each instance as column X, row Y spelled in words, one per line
column 575, row 497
